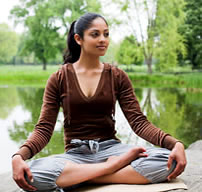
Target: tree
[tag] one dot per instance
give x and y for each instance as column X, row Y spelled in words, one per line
column 8, row 43
column 129, row 52
column 110, row 55
column 23, row 56
column 192, row 30
column 44, row 20
column 169, row 17
column 154, row 23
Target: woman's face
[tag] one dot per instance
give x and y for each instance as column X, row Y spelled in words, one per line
column 96, row 38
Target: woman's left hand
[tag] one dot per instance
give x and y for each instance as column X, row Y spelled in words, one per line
column 177, row 154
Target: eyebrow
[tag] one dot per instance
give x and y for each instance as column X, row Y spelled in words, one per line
column 98, row 30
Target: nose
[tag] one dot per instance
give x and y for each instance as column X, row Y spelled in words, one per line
column 102, row 38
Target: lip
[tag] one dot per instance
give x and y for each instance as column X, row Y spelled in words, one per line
column 101, row 47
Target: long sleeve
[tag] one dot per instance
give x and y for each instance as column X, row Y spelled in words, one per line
column 137, row 120
column 46, row 123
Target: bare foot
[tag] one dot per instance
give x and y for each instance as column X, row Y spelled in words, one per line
column 117, row 162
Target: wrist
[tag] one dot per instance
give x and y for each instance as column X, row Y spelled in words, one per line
column 17, row 156
column 179, row 143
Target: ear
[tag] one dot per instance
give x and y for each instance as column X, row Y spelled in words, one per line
column 78, row 39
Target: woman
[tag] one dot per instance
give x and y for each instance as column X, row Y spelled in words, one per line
column 87, row 90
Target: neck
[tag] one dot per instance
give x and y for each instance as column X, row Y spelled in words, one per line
column 88, row 61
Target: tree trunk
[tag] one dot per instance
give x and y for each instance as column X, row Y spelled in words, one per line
column 147, row 101
column 44, row 64
column 14, row 60
column 148, row 60
column 193, row 61
column 149, row 65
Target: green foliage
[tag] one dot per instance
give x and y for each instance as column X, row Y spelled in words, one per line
column 23, row 56
column 8, row 43
column 110, row 55
column 162, row 40
column 44, row 20
column 93, row 6
column 169, row 17
column 192, row 30
column 6, row 96
column 167, row 80
column 129, row 52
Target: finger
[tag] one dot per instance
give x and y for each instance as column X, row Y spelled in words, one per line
column 143, row 155
column 29, row 175
column 24, row 185
column 28, row 186
column 177, row 171
column 141, row 149
column 170, row 161
column 138, row 150
column 18, row 183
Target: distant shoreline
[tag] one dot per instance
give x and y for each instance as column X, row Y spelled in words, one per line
column 34, row 76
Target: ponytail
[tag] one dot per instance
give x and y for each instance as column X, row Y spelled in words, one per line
column 73, row 51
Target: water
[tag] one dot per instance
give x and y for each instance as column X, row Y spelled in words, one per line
column 176, row 111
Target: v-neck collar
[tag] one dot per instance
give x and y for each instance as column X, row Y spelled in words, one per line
column 79, row 87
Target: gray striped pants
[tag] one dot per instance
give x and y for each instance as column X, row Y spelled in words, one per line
column 46, row 170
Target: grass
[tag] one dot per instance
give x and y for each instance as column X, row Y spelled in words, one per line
column 25, row 75
column 143, row 69
column 176, row 77
column 193, row 80
column 34, row 76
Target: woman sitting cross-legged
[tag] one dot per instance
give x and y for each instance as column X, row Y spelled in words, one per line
column 87, row 90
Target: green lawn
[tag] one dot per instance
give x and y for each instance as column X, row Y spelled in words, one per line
column 34, row 76
column 193, row 80
column 25, row 75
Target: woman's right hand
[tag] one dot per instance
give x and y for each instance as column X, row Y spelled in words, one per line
column 20, row 168
column 117, row 162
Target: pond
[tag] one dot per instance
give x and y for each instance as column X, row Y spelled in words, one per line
column 176, row 111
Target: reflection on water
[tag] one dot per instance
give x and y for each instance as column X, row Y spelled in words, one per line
column 176, row 111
